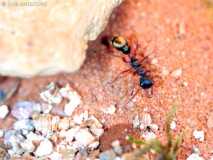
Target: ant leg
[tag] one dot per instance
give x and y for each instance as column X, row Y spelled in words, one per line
column 134, row 45
column 132, row 96
column 149, row 93
column 120, row 74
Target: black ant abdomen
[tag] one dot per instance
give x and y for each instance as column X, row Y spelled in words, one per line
column 146, row 83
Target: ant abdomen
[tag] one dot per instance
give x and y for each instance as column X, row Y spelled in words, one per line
column 146, row 83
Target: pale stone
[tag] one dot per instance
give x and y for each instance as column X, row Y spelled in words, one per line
column 3, row 111
column 199, row 135
column 45, row 148
column 195, row 156
column 177, row 73
column 83, row 137
column 50, row 37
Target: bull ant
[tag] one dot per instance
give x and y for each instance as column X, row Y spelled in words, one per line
column 134, row 57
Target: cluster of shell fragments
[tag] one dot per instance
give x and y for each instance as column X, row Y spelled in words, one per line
column 39, row 133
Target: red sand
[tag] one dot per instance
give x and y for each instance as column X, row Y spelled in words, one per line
column 182, row 32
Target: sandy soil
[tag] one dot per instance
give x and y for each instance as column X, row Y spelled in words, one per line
column 182, row 33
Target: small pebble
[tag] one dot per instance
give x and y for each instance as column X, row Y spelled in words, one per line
column 74, row 102
column 148, row 135
column 2, row 95
column 79, row 119
column 136, row 122
column 117, row 147
column 51, row 95
column 28, row 146
column 70, row 134
column 25, row 109
column 94, row 145
column 194, row 156
column 173, row 125
column 109, row 110
column 55, row 156
column 24, row 124
column 199, row 135
column 165, row 71
column 1, row 133
column 45, row 148
column 107, row 155
column 97, row 131
column 34, row 137
column 84, row 137
column 177, row 73
column 4, row 111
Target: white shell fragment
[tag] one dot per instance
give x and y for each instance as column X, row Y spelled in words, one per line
column 84, row 137
column 117, row 147
column 28, row 146
column 177, row 73
column 49, row 136
column 194, row 156
column 173, row 125
column 24, row 124
column 136, row 122
column 51, row 94
column 45, row 148
column 55, row 156
column 199, row 135
column 25, row 109
column 74, row 102
column 4, row 111
column 109, row 110
column 1, row 133
column 146, row 126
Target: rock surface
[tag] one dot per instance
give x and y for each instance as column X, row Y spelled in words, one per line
column 33, row 37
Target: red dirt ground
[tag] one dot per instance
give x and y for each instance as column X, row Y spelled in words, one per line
column 182, row 32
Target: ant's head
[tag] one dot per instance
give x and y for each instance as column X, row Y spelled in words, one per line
column 121, row 44
column 146, row 83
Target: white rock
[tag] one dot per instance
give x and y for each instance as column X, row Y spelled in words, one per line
column 194, row 156
column 136, row 122
column 109, row 110
column 34, row 137
column 50, row 94
column 97, row 131
column 96, row 123
column 94, row 145
column 117, row 147
column 176, row 73
column 79, row 119
column 1, row 133
column 3, row 111
column 148, row 135
column 71, row 133
column 24, row 124
column 28, row 146
column 45, row 148
column 173, row 125
column 55, row 156
column 74, row 102
column 46, row 108
column 63, row 124
column 35, row 34
column 84, row 137
column 199, row 135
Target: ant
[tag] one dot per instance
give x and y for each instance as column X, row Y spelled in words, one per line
column 131, row 49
